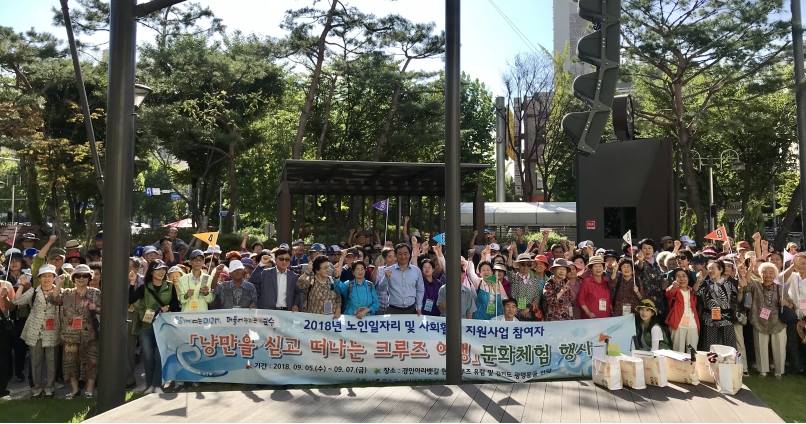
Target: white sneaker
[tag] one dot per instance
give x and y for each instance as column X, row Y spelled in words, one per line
column 58, row 385
column 158, row 390
column 148, row 390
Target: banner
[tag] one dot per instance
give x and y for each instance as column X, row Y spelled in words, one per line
column 282, row 347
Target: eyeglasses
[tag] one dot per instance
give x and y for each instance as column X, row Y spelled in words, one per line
column 682, row 258
column 81, row 276
column 283, row 259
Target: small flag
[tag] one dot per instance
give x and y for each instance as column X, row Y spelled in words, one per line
column 209, row 238
column 719, row 234
column 439, row 238
column 628, row 237
column 382, row 206
column 491, row 279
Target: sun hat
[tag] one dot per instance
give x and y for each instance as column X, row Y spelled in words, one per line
column 28, row 236
column 45, row 269
column 524, row 257
column 648, row 304
column 595, row 260
column 149, row 249
column 67, row 266
column 500, row 267
column 83, row 269
column 213, row 249
column 559, row 263
column 72, row 244
column 173, row 269
column 235, row 266
column 12, row 251
column 543, row 259
column 233, row 254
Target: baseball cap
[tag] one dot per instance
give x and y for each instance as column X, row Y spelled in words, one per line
column 30, row 252
column 686, row 240
column 11, row 251
column 585, row 243
column 600, row 250
column 284, row 246
column 334, row 249
column 149, row 249
column 666, row 238
column 192, row 255
column 495, row 246
column 317, row 247
column 248, row 262
column 139, row 251
column 296, row 242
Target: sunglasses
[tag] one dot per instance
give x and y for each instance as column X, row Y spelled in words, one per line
column 87, row 276
column 283, row 259
column 682, row 258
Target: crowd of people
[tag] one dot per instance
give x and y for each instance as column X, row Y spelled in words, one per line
column 682, row 296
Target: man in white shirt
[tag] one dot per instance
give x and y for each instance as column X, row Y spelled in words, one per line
column 795, row 279
column 510, row 309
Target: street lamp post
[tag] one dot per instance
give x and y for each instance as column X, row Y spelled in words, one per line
column 737, row 165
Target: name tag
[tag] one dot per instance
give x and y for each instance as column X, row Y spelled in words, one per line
column 328, row 307
column 716, row 314
column 149, row 316
column 802, row 304
column 765, row 313
column 521, row 303
column 76, row 324
column 50, row 324
column 602, row 305
column 194, row 305
column 429, row 304
column 685, row 321
column 571, row 311
column 490, row 308
column 626, row 309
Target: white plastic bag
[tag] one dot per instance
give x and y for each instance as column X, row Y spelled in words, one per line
column 704, row 367
column 632, row 372
column 607, row 372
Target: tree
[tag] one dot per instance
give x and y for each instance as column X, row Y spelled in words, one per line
column 545, row 90
column 688, row 52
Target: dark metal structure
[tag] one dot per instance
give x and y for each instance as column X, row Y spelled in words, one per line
column 626, row 185
column 343, row 181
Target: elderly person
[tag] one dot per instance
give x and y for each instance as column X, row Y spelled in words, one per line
column 526, row 286
column 719, row 296
column 652, row 278
column 42, row 329
column 321, row 294
column 194, row 288
column 79, row 323
column 96, row 275
column 594, row 297
column 795, row 278
column 489, row 292
column 362, row 298
column 50, row 255
column 155, row 296
column 682, row 319
column 768, row 299
column 557, row 295
column 234, row 293
column 431, row 284
column 626, row 288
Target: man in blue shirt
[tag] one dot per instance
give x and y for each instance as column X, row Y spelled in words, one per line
column 298, row 256
column 404, row 282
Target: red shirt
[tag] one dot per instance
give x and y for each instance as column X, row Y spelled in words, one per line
column 592, row 293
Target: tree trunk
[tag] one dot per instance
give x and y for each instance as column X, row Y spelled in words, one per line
column 692, row 189
column 789, row 219
column 327, row 118
column 31, row 180
column 320, row 58
column 233, row 189
column 390, row 114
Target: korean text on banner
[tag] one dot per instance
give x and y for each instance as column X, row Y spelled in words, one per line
column 281, row 347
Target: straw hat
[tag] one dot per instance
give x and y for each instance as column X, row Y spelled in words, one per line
column 648, row 304
column 559, row 263
column 523, row 257
column 595, row 260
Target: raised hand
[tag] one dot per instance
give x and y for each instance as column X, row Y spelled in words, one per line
column 639, row 255
column 53, row 239
column 545, row 234
column 406, row 218
column 677, row 244
column 245, row 236
column 757, row 236
column 388, row 273
column 519, row 232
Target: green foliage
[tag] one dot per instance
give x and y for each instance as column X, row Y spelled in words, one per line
column 751, row 222
column 688, row 220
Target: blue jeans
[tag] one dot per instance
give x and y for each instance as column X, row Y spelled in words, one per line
column 151, row 358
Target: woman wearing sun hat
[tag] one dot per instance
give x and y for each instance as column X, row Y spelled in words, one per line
column 558, row 299
column 42, row 329
column 79, row 322
column 594, row 297
column 649, row 334
column 525, row 286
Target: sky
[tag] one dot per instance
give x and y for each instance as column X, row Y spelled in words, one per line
column 488, row 39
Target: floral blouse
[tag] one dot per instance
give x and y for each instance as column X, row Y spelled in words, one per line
column 39, row 325
column 624, row 298
column 76, row 320
column 654, row 285
column 561, row 309
column 318, row 293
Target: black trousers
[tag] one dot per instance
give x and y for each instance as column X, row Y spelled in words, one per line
column 6, row 338
column 20, row 349
column 394, row 310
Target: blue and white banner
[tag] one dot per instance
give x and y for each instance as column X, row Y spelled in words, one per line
column 281, row 347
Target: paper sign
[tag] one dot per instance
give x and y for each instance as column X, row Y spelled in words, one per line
column 50, row 324
column 76, row 324
column 765, row 313
column 716, row 314
column 209, row 238
column 602, row 305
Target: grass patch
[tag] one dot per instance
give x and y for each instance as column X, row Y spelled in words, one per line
column 50, row 410
column 784, row 396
